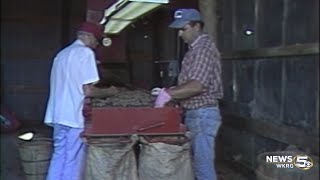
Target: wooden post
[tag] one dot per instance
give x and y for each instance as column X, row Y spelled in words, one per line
column 208, row 10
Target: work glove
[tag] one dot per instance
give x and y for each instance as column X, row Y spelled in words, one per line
column 162, row 98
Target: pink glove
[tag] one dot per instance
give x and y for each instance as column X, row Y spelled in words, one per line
column 162, row 98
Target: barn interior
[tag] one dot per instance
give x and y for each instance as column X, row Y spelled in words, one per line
column 270, row 60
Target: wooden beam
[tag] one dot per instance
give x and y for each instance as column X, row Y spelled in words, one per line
column 65, row 21
column 31, row 19
column 317, row 96
column 114, row 65
column 24, row 55
column 208, row 9
column 15, row 89
column 292, row 50
column 141, row 57
column 278, row 132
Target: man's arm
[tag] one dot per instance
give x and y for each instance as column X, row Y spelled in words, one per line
column 186, row 90
column 198, row 75
column 91, row 91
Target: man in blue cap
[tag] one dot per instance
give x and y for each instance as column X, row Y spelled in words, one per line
column 198, row 90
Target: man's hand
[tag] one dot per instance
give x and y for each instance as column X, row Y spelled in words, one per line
column 87, row 108
column 162, row 98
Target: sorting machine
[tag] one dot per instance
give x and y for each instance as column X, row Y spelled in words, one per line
column 155, row 124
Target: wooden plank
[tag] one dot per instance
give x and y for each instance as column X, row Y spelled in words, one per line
column 141, row 57
column 27, row 55
column 112, row 62
column 278, row 132
column 292, row 50
column 208, row 9
column 14, row 89
column 115, row 64
column 94, row 16
column 99, row 5
column 31, row 19
column 317, row 98
column 64, row 21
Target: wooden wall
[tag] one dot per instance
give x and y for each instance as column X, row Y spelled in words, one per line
column 31, row 33
column 271, row 78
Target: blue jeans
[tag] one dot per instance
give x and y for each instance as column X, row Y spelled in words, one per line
column 203, row 125
column 67, row 162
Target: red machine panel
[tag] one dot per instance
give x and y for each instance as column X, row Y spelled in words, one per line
column 134, row 120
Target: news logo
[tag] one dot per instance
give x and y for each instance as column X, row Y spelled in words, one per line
column 302, row 162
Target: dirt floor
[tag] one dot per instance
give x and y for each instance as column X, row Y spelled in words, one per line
column 11, row 167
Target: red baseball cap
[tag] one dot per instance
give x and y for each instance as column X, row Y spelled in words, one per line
column 93, row 28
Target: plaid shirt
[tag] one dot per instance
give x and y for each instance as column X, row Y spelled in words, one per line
column 202, row 63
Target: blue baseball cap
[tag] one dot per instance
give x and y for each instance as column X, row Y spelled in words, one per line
column 183, row 16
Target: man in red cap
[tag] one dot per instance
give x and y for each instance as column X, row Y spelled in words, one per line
column 95, row 29
column 73, row 74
